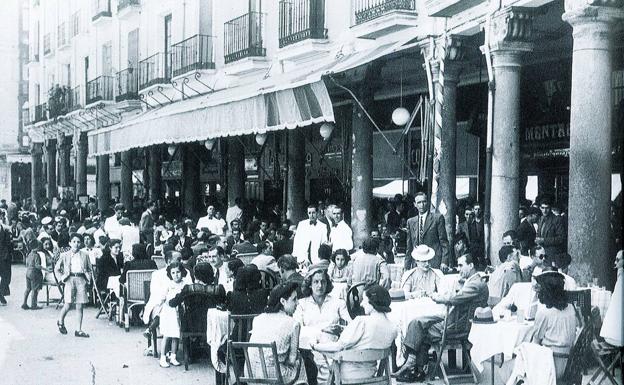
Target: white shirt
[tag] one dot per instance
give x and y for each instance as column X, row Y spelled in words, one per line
column 98, row 233
column 112, row 227
column 129, row 236
column 213, row 224
column 265, row 262
column 309, row 237
column 232, row 213
column 341, row 236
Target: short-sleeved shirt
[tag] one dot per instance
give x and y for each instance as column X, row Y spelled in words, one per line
column 555, row 328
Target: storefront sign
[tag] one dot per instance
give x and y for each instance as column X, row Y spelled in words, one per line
column 172, row 169
column 547, row 133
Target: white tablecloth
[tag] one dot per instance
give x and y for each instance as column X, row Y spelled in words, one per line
column 113, row 284
column 501, row 337
column 600, row 298
column 216, row 335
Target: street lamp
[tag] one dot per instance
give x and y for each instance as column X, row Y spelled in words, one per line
column 400, row 116
column 261, row 138
column 326, row 130
column 209, row 144
column 171, row 149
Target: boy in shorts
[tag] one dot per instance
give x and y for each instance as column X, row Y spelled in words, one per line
column 74, row 269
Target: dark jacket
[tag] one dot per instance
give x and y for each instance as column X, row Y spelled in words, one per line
column 285, row 246
column 552, row 228
column 197, row 299
column 434, row 236
column 106, row 266
column 526, row 236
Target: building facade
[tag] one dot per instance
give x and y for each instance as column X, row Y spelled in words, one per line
column 292, row 101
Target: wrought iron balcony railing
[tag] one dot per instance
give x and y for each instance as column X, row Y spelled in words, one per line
column 127, row 84
column 300, row 20
column 243, row 37
column 75, row 102
column 194, row 53
column 156, row 69
column 100, row 88
column 126, row 3
column 101, row 8
column 41, row 113
column 366, row 10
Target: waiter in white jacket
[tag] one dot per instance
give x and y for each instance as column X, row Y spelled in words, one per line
column 340, row 234
column 311, row 233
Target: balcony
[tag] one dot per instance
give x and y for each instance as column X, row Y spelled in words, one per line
column 301, row 20
column 41, row 113
column 75, row 101
column 62, row 36
column 156, row 69
column 47, row 45
column 100, row 88
column 127, row 7
column 449, row 8
column 192, row 54
column 243, row 37
column 127, row 85
column 101, row 9
column 377, row 18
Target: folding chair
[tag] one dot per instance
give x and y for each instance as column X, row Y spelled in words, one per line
column 382, row 376
column 601, row 351
column 135, row 293
column 239, row 327
column 59, row 286
column 269, row 375
column 105, row 303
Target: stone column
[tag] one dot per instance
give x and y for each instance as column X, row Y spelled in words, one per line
column 295, row 194
column 127, row 187
column 235, row 170
column 103, row 182
column 191, row 185
column 51, row 172
column 155, row 172
column 450, row 51
column 510, row 32
column 82, row 151
column 590, row 132
column 63, row 143
column 36, row 190
column 362, row 158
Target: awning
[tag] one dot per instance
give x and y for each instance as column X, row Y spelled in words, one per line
column 282, row 101
column 18, row 158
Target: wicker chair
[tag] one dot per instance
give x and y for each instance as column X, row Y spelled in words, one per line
column 193, row 317
column 268, row 279
column 136, row 292
column 361, row 355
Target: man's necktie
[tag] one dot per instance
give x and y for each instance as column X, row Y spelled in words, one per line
column 421, row 229
column 216, row 276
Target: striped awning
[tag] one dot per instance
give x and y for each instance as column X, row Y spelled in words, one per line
column 230, row 112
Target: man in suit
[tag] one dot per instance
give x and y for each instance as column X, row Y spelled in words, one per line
column 423, row 332
column 426, row 229
column 551, row 231
column 6, row 251
column 527, row 230
column 74, row 269
column 146, row 224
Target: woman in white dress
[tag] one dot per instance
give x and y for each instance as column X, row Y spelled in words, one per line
column 169, row 323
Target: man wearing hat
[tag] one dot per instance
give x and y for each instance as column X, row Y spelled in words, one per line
column 527, row 230
column 111, row 225
column 421, row 280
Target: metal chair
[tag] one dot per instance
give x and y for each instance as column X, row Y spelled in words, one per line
column 573, row 373
column 136, row 290
column 455, row 336
column 581, row 299
column 382, row 376
column 160, row 261
column 268, row 279
column 270, row 375
column 246, row 257
column 239, row 328
column 59, row 286
column 354, row 298
column 193, row 317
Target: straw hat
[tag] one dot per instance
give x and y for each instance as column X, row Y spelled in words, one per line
column 423, row 253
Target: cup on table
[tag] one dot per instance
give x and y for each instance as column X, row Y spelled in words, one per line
column 520, row 315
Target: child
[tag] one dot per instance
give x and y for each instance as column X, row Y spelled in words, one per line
column 340, row 272
column 169, row 324
column 34, row 277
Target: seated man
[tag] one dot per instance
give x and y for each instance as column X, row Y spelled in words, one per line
column 215, row 258
column 522, row 296
column 265, row 260
column 422, row 280
column 422, row 332
column 505, row 274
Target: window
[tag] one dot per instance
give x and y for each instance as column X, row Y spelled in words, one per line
column 107, row 59
column 75, row 23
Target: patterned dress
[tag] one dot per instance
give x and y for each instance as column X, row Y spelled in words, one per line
column 278, row 328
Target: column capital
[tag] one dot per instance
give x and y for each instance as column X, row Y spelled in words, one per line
column 511, row 30
column 592, row 21
column 451, row 49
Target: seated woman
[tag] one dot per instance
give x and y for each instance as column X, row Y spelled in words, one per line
column 109, row 264
column 277, row 325
column 48, row 259
column 140, row 261
column 340, row 272
column 318, row 310
column 422, row 280
column 370, row 331
column 555, row 322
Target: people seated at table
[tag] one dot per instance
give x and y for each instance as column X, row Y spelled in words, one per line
column 140, row 261
column 522, row 297
column 555, row 263
column 248, row 296
column 505, row 274
column 169, row 325
column 265, row 260
column 423, row 332
column 277, row 325
column 370, row 268
column 317, row 310
column 232, row 268
column 612, row 330
column 109, row 264
column 555, row 322
column 421, row 281
column 369, row 331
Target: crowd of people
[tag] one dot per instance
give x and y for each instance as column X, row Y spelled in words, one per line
column 314, row 263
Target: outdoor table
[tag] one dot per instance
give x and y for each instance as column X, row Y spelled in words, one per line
column 600, row 298
column 216, row 335
column 396, row 271
column 500, row 337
